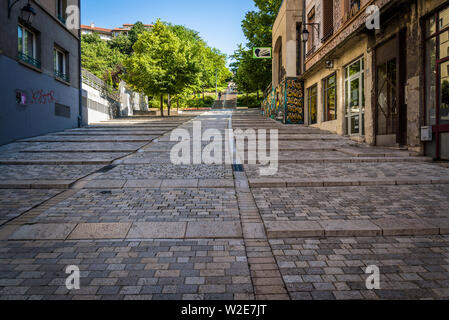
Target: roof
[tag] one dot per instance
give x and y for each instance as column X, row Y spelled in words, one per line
column 104, row 30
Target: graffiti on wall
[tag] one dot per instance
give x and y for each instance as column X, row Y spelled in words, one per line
column 42, row 97
column 295, row 102
column 285, row 102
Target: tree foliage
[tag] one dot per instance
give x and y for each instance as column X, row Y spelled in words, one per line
column 99, row 57
column 254, row 74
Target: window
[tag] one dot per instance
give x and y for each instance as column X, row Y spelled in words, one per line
column 311, row 29
column 61, row 6
column 60, row 61
column 27, row 46
column 312, row 99
column 328, row 19
column 330, row 98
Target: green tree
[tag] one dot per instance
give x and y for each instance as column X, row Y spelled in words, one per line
column 254, row 74
column 99, row 58
column 159, row 63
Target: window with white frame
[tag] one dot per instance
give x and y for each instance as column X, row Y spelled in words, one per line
column 60, row 61
column 27, row 46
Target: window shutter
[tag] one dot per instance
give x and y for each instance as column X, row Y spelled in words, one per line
column 328, row 19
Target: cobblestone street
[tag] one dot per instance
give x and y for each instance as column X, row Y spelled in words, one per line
column 108, row 199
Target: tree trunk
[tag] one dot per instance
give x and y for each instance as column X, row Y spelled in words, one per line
column 257, row 94
column 169, row 104
column 162, row 105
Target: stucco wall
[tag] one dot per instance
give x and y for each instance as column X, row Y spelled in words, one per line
column 356, row 49
column 284, row 35
column 38, row 116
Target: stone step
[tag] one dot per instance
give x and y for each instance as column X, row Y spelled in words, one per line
column 357, row 228
column 287, row 183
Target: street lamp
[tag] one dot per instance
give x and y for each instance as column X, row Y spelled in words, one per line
column 26, row 13
column 305, row 35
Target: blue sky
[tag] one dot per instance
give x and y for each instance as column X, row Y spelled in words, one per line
column 218, row 21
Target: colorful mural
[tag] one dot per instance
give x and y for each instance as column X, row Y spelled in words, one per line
column 285, row 103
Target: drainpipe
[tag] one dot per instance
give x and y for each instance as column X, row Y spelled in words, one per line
column 80, row 111
column 303, row 52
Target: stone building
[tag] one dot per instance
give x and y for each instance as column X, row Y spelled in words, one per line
column 380, row 81
column 40, row 69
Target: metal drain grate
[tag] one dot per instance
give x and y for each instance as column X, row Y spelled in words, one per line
column 238, row 168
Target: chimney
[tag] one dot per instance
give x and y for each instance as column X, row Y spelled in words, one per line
column 92, row 25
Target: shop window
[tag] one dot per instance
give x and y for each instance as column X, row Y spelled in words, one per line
column 312, row 99
column 330, row 98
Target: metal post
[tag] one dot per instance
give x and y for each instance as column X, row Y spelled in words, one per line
column 216, row 82
column 80, row 115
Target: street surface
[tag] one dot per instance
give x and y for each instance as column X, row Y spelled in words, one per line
column 108, row 199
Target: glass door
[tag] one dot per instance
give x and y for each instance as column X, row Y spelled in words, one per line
column 437, row 83
column 355, row 99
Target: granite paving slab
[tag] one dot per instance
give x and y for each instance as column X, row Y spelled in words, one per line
column 157, row 230
column 51, row 231
column 91, row 231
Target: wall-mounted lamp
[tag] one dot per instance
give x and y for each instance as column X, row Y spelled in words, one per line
column 305, row 32
column 27, row 13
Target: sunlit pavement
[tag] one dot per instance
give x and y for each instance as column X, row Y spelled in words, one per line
column 108, row 200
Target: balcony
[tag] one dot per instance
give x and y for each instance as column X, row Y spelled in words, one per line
column 29, row 60
column 62, row 76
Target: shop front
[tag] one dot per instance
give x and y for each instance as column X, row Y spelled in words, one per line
column 437, row 82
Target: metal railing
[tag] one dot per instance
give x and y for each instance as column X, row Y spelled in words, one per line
column 96, row 83
column 30, row 60
column 62, row 76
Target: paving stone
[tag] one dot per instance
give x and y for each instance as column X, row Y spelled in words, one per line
column 43, row 232
column 403, row 227
column 157, row 230
column 153, row 183
column 352, row 228
column 291, row 229
column 105, row 184
column 100, row 231
column 225, row 229
column 180, row 183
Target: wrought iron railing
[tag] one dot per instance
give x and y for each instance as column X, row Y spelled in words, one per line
column 96, row 83
column 30, row 60
column 62, row 76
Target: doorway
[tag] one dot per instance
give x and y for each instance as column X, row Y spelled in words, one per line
column 391, row 111
column 355, row 98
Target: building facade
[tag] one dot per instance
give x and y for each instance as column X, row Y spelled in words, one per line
column 40, row 70
column 381, row 81
column 109, row 34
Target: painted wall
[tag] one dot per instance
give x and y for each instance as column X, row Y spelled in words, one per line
column 38, row 116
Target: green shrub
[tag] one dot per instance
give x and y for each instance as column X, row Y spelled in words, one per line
column 249, row 101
